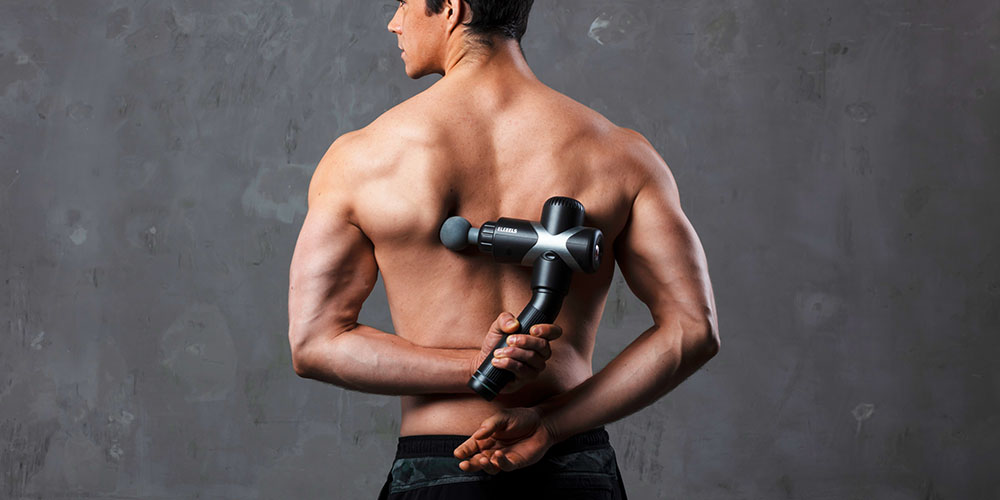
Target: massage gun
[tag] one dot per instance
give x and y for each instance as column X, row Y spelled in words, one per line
column 554, row 248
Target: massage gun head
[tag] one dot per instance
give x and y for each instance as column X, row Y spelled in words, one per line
column 559, row 235
column 457, row 233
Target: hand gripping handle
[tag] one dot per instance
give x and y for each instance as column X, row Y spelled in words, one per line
column 489, row 380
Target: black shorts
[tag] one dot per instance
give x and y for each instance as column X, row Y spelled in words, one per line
column 581, row 467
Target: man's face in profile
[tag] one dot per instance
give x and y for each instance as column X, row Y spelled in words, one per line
column 420, row 37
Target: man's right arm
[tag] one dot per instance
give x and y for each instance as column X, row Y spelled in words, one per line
column 333, row 270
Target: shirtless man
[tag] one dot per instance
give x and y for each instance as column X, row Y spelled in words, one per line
column 490, row 140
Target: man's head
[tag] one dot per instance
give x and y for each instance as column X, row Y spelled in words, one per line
column 426, row 29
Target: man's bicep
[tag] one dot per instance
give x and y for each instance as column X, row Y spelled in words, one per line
column 661, row 257
column 333, row 271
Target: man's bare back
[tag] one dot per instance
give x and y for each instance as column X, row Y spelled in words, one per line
column 483, row 153
column 490, row 140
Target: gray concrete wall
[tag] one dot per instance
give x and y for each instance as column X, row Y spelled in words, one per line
column 839, row 160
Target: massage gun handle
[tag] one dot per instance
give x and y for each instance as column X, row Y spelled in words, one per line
column 489, row 380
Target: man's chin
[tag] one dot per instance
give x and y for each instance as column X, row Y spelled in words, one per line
column 416, row 74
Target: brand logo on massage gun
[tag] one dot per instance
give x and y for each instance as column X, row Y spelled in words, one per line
column 554, row 257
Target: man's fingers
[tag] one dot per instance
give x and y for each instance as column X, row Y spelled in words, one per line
column 498, row 330
column 504, row 324
column 546, row 331
column 488, row 427
column 521, row 370
column 487, row 462
column 473, row 446
column 501, row 460
column 532, row 343
column 485, row 444
column 493, row 461
column 473, row 464
column 530, row 358
column 467, row 449
column 481, row 461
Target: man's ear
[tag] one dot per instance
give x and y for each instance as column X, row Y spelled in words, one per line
column 456, row 12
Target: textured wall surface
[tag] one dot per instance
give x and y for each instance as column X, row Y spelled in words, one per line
column 839, row 160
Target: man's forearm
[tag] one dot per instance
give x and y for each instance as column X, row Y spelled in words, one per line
column 651, row 366
column 369, row 360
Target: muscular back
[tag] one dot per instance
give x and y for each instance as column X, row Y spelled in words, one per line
column 481, row 153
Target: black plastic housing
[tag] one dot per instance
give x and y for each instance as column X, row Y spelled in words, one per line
column 511, row 240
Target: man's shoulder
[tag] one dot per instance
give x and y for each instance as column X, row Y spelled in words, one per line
column 414, row 127
column 623, row 146
column 346, row 162
column 620, row 151
column 409, row 126
column 633, row 151
column 366, row 151
column 341, row 153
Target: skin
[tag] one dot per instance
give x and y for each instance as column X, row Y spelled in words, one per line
column 489, row 140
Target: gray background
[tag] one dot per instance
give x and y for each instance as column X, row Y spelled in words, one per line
column 838, row 159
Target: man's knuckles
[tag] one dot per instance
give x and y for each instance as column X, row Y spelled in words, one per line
column 552, row 332
column 509, row 364
column 534, row 344
column 545, row 331
column 524, row 365
column 524, row 355
column 528, row 342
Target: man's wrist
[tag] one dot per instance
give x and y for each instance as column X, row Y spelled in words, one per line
column 466, row 358
column 549, row 414
column 470, row 364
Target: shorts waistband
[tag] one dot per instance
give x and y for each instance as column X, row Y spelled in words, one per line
column 443, row 445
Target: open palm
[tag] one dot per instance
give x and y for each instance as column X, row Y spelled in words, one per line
column 510, row 439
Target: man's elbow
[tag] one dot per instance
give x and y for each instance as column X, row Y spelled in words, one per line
column 703, row 335
column 300, row 368
column 298, row 342
column 710, row 338
column 315, row 355
column 300, row 362
column 712, row 345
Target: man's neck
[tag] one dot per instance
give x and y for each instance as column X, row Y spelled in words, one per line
column 503, row 61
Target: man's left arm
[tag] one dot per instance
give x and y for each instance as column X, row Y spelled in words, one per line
column 664, row 264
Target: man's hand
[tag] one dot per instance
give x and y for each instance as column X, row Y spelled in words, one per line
column 510, row 439
column 525, row 356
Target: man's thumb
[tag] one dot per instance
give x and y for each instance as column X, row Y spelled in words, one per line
column 489, row 426
column 505, row 323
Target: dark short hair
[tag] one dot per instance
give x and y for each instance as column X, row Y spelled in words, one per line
column 508, row 18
